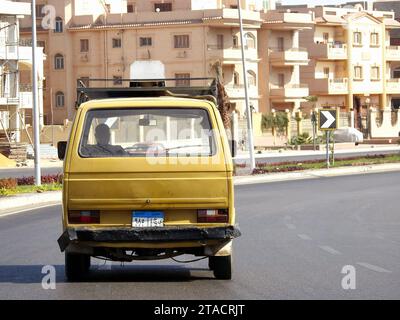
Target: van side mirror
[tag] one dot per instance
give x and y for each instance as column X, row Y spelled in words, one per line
column 233, row 147
column 61, row 149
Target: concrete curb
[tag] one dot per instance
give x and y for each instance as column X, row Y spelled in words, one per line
column 29, row 200
column 18, row 202
column 313, row 174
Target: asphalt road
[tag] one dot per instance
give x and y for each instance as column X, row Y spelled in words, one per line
column 297, row 237
column 27, row 171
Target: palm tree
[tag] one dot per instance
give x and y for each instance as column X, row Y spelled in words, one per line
column 222, row 96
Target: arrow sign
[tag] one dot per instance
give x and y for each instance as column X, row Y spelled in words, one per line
column 328, row 119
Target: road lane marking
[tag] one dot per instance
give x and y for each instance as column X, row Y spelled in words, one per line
column 288, row 218
column 373, row 267
column 329, row 249
column 28, row 209
column 290, row 226
column 304, row 237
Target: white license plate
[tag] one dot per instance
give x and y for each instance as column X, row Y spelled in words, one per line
column 143, row 219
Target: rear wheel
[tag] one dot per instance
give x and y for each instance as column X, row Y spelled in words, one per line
column 76, row 266
column 211, row 263
column 222, row 267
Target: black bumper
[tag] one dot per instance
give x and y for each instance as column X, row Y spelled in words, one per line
column 165, row 234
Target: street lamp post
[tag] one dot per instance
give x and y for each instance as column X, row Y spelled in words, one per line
column 35, row 108
column 248, row 110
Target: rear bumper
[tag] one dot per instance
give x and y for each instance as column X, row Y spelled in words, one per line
column 164, row 234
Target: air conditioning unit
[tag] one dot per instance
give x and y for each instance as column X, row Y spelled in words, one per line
column 182, row 54
column 84, row 57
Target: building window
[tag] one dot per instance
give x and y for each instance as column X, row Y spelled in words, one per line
column 235, row 41
column 220, row 41
column 182, row 79
column 59, row 25
column 251, row 78
column 58, row 61
column 116, row 43
column 374, row 39
column 146, row 41
column 325, row 37
column 358, row 72
column 236, row 80
column 162, row 7
column 181, row 41
column 281, row 44
column 117, row 80
column 60, row 99
column 84, row 45
column 375, row 73
column 326, row 73
column 357, row 38
column 250, row 41
column 130, row 7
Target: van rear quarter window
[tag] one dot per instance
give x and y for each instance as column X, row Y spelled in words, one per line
column 143, row 132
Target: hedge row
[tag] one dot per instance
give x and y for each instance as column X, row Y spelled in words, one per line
column 12, row 183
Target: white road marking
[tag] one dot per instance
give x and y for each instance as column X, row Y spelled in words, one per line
column 304, row 237
column 329, row 249
column 290, row 226
column 373, row 267
column 288, row 218
column 28, row 209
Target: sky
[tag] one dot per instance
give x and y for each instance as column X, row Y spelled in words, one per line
column 314, row 2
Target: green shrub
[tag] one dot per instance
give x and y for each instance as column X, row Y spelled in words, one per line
column 279, row 122
column 304, row 138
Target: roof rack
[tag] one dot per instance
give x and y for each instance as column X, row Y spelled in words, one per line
column 90, row 89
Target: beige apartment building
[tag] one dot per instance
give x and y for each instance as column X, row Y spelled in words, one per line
column 352, row 64
column 101, row 39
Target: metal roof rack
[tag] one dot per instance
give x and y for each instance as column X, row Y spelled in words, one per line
column 90, row 89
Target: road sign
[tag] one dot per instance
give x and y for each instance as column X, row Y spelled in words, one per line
column 328, row 119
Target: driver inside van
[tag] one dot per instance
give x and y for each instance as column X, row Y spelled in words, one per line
column 103, row 147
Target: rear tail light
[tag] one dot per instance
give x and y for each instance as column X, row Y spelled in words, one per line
column 87, row 217
column 212, row 215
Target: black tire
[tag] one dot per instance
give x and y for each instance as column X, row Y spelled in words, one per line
column 211, row 263
column 76, row 266
column 222, row 267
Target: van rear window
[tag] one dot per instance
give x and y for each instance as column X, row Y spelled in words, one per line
column 143, row 132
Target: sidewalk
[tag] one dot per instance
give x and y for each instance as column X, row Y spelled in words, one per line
column 30, row 201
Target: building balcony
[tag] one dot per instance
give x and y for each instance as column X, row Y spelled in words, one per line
column 393, row 53
column 393, row 86
column 25, row 96
column 288, row 57
column 230, row 55
column 8, row 51
column 286, row 20
column 291, row 91
column 329, row 86
column 237, row 91
column 329, row 51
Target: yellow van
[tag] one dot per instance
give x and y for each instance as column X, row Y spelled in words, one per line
column 147, row 178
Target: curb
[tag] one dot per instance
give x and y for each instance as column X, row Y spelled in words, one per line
column 29, row 200
column 54, row 197
column 314, row 174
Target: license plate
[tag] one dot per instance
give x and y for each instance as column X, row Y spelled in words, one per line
column 143, row 219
